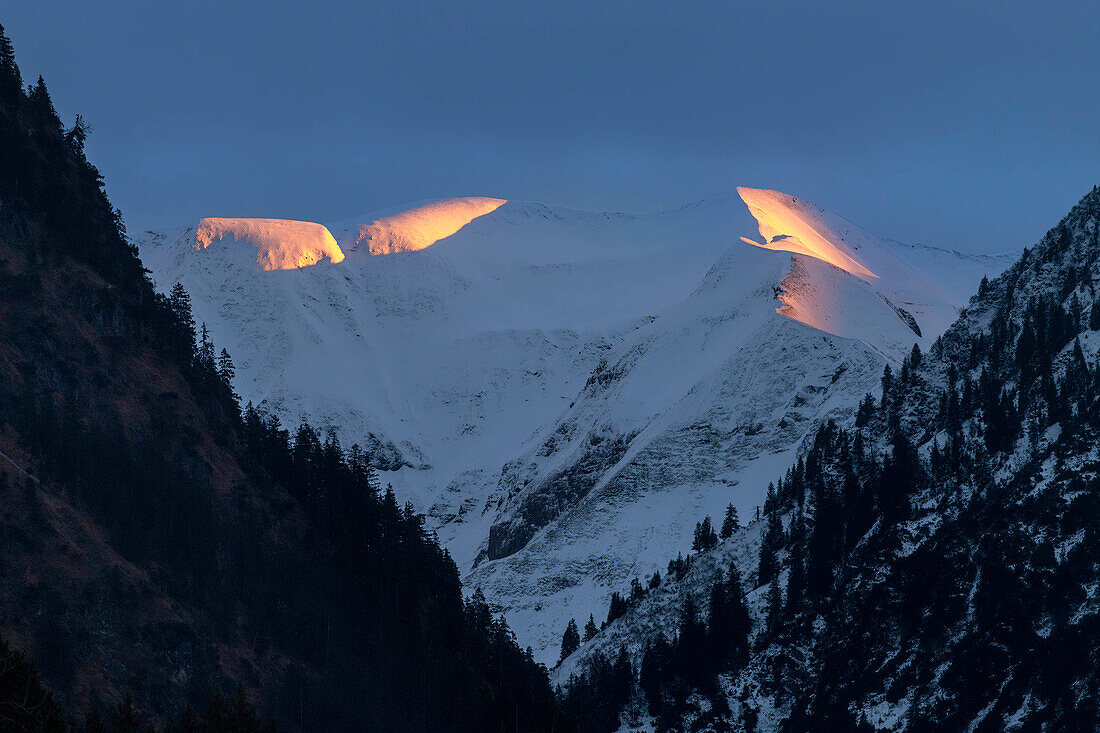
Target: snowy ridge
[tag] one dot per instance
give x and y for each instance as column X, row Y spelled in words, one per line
column 280, row 244
column 413, row 229
column 791, row 225
column 923, row 285
column 566, row 393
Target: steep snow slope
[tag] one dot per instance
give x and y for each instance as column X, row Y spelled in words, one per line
column 566, row 393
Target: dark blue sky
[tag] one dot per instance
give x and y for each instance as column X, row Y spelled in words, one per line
column 972, row 125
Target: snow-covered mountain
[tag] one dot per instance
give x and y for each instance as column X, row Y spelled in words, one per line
column 566, row 393
column 931, row 568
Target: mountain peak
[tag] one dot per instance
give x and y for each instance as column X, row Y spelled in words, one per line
column 414, row 228
column 281, row 244
column 790, row 224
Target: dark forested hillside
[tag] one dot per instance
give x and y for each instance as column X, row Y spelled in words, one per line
column 934, row 566
column 164, row 551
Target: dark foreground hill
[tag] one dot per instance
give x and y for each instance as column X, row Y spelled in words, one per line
column 160, row 550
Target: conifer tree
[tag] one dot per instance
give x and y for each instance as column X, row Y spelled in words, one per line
column 705, row 538
column 729, row 625
column 828, row 528
column 205, row 354
column 769, row 548
column 616, row 608
column 25, row 703
column 77, row 135
column 590, row 629
column 11, row 83
column 41, row 106
column 179, row 304
column 900, row 475
column 773, row 618
column 866, row 411
column 771, row 498
column 731, row 523
column 226, row 372
column 796, row 578
column 738, row 618
column 622, row 680
column 570, row 640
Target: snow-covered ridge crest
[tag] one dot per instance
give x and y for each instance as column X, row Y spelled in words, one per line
column 851, row 283
column 789, row 224
column 281, row 244
column 416, row 228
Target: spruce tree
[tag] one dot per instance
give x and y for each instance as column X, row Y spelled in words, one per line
column 768, row 564
column 590, row 629
column 731, row 523
column 616, row 608
column 622, row 681
column 828, row 528
column 179, row 304
column 41, row 106
column 11, row 83
column 705, row 538
column 900, row 475
column 570, row 640
column 866, row 411
column 226, row 372
column 773, row 617
column 205, row 354
column 738, row 618
column 796, row 578
column 25, row 703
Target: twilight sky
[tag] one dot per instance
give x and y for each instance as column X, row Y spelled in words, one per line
column 962, row 124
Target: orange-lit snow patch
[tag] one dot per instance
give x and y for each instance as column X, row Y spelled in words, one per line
column 423, row 226
column 791, row 225
column 281, row 244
